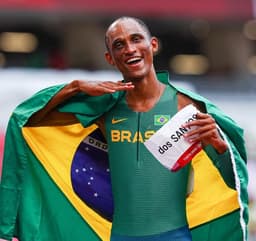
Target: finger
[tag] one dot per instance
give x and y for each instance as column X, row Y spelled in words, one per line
column 124, row 83
column 207, row 120
column 201, row 115
column 117, row 85
column 201, row 129
column 208, row 131
column 204, row 137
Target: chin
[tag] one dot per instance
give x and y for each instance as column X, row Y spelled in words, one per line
column 136, row 76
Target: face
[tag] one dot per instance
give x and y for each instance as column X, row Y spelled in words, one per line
column 131, row 49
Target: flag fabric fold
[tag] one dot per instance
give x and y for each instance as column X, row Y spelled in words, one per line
column 47, row 167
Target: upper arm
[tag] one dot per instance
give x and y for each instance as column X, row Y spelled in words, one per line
column 184, row 100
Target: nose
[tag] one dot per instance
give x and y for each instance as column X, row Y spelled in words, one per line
column 130, row 48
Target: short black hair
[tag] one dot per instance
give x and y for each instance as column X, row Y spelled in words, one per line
column 137, row 20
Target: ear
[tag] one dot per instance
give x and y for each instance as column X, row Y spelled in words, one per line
column 109, row 59
column 155, row 45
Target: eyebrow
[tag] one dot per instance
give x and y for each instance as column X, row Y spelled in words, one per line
column 131, row 35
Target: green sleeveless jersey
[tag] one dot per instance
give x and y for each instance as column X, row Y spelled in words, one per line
column 148, row 198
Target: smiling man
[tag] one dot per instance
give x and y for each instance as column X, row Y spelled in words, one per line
column 149, row 200
column 151, row 207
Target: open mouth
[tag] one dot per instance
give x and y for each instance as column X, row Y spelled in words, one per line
column 133, row 60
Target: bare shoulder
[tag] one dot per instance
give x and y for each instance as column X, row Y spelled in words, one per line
column 184, row 100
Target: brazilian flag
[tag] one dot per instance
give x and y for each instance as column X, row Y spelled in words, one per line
column 56, row 183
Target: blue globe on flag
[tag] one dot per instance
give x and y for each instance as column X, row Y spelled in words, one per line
column 90, row 174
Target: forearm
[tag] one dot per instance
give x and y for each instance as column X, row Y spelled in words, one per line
column 67, row 92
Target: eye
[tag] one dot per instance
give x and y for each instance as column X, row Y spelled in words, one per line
column 136, row 38
column 118, row 45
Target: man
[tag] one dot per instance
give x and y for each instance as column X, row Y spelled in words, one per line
column 149, row 200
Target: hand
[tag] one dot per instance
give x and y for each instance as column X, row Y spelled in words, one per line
column 206, row 132
column 97, row 88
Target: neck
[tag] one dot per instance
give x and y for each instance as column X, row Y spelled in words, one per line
column 145, row 95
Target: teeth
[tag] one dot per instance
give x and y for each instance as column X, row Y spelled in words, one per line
column 133, row 60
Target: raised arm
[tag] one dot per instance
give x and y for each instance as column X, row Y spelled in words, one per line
column 92, row 88
column 207, row 131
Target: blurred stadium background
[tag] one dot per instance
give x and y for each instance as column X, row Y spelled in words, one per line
column 208, row 46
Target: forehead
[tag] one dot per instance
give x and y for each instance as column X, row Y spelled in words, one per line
column 124, row 28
